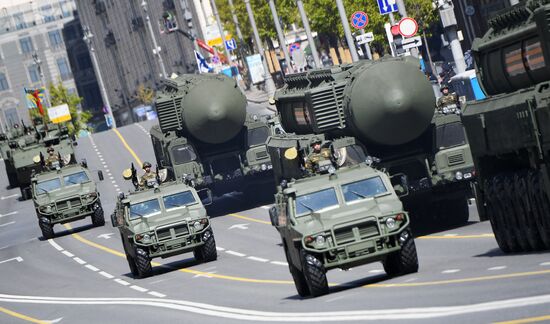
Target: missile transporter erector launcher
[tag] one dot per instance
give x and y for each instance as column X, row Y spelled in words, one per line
column 388, row 106
column 509, row 131
column 206, row 137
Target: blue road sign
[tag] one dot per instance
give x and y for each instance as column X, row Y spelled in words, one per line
column 385, row 7
column 231, row 44
column 294, row 47
column 359, row 20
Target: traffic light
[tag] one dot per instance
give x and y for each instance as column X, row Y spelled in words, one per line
column 397, row 41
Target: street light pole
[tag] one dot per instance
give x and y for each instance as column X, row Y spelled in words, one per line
column 347, row 31
column 156, row 48
column 281, row 36
column 88, row 39
column 269, row 85
column 448, row 20
column 220, row 27
column 310, row 40
column 38, row 63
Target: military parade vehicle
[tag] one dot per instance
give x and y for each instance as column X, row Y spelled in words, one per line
column 63, row 194
column 388, row 106
column 509, row 131
column 24, row 153
column 162, row 221
column 210, row 140
column 9, row 142
column 344, row 214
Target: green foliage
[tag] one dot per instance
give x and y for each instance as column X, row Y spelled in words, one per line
column 59, row 95
column 323, row 16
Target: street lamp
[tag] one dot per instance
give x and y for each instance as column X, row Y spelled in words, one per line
column 38, row 64
column 156, row 48
column 88, row 39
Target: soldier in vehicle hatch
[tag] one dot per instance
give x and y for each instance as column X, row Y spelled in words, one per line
column 316, row 155
column 148, row 177
column 447, row 99
column 53, row 159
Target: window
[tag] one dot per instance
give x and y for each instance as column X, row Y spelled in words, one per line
column 450, row 135
column 55, row 37
column 183, row 154
column 34, row 75
column 19, row 20
column 145, row 209
column 76, row 178
column 178, row 200
column 363, row 189
column 316, row 201
column 47, row 13
column 3, row 82
column 257, row 136
column 64, row 69
column 47, row 186
column 66, row 8
column 26, row 45
column 83, row 61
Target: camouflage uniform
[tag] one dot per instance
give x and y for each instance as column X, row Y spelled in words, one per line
column 313, row 159
column 446, row 100
column 51, row 160
column 145, row 177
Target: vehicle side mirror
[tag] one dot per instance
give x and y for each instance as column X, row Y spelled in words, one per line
column 100, row 175
column 205, row 196
column 400, row 184
column 274, row 216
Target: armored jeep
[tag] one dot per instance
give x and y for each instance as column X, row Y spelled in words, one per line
column 163, row 221
column 345, row 215
column 66, row 195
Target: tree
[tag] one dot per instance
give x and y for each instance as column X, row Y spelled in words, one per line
column 59, row 95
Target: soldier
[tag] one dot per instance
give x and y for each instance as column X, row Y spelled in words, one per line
column 316, row 155
column 147, row 176
column 448, row 99
column 52, row 160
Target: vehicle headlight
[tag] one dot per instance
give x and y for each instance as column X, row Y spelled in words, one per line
column 198, row 226
column 146, row 238
column 458, row 175
column 390, row 223
column 320, row 240
column 264, row 167
column 269, row 166
column 467, row 175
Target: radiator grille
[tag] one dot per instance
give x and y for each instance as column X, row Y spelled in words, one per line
column 455, row 159
column 346, row 234
column 169, row 114
column 172, row 232
column 328, row 110
column 68, row 204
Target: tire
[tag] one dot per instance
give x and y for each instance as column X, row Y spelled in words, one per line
column 526, row 212
column 493, row 214
column 403, row 261
column 541, row 206
column 314, row 274
column 132, row 264
column 12, row 179
column 505, row 214
column 47, row 230
column 297, row 275
column 98, row 217
column 143, row 264
column 25, row 193
column 206, row 252
column 458, row 212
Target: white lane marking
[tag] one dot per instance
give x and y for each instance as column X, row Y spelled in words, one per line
column 79, row 260
column 57, row 320
column 235, row 253
column 67, row 253
column 219, row 248
column 108, row 171
column 91, row 267
column 376, row 271
column 450, row 271
column 6, row 224
column 257, row 259
column 18, row 259
column 410, row 280
column 265, row 207
column 397, row 314
column 101, row 159
column 451, row 234
column 279, row 263
column 111, row 177
column 55, row 245
column 105, row 165
column 122, row 282
column 239, row 226
column 105, row 235
column 138, row 288
column 545, row 264
column 497, row 268
column 156, row 294
column 10, row 196
column 113, row 181
column 118, row 190
column 106, row 275
column 115, row 185
column 204, row 275
column 9, row 214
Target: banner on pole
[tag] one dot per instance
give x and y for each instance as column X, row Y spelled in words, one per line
column 59, row 114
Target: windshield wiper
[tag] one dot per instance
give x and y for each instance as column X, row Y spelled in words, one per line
column 358, row 194
column 173, row 205
column 306, row 206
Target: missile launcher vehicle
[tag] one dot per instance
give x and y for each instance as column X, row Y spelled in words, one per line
column 206, row 137
column 509, row 131
column 389, row 107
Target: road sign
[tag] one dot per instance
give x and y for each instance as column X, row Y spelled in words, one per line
column 364, row 38
column 294, row 47
column 409, row 43
column 359, row 20
column 231, row 44
column 387, row 6
column 59, row 114
column 408, row 27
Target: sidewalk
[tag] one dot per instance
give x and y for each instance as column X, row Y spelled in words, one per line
column 256, row 96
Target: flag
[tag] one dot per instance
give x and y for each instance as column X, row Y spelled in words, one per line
column 35, row 97
column 202, row 64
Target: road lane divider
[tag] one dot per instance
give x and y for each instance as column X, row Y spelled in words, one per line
column 21, row 316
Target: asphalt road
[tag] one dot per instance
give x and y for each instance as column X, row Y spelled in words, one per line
column 81, row 276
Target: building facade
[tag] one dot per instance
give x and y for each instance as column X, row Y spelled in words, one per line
column 124, row 47
column 31, row 39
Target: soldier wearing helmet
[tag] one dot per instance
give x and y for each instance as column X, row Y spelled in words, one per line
column 316, row 155
column 53, row 159
column 148, row 177
column 448, row 100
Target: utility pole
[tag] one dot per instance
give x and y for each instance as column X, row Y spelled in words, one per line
column 156, row 48
column 310, row 40
column 347, row 31
column 236, row 21
column 222, row 34
column 188, row 16
column 269, row 85
column 448, row 19
column 281, row 36
column 88, row 39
